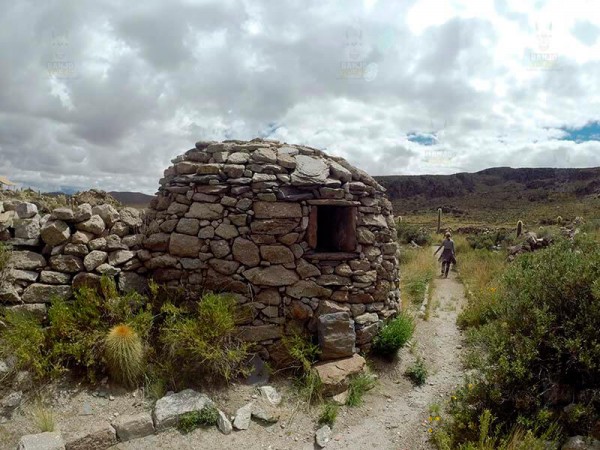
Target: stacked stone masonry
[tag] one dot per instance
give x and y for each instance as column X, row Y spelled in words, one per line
column 54, row 252
column 302, row 239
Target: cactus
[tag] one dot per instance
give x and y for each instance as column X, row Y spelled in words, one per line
column 559, row 220
column 439, row 222
column 124, row 354
column 519, row 228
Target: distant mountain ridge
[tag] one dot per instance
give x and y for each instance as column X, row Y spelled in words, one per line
column 504, row 190
column 132, row 198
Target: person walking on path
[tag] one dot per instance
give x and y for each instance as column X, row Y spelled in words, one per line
column 448, row 256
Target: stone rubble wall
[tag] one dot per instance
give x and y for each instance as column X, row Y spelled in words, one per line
column 233, row 216
column 69, row 247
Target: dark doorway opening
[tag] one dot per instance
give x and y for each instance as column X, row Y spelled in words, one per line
column 333, row 228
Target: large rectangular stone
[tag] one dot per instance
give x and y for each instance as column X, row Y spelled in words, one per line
column 260, row 333
column 275, row 210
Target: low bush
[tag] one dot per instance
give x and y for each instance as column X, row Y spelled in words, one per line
column 417, row 373
column 73, row 337
column 394, row 335
column 537, row 355
column 206, row 417
column 201, row 338
column 408, row 233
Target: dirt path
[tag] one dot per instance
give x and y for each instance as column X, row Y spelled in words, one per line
column 394, row 414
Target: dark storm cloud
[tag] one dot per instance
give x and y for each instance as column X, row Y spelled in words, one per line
column 105, row 93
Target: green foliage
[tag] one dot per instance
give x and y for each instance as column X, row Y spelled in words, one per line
column 202, row 339
column 4, row 256
column 329, row 413
column 489, row 437
column 416, row 287
column 301, row 350
column 24, row 339
column 206, row 417
column 490, row 239
column 407, row 233
column 4, row 260
column 394, row 335
column 417, row 373
column 359, row 385
column 309, row 387
column 124, row 354
column 541, row 339
column 73, row 336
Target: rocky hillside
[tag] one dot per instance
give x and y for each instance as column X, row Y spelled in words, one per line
column 511, row 192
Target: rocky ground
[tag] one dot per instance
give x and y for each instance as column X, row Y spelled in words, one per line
column 394, row 414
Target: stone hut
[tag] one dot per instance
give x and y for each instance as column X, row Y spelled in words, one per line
column 302, row 239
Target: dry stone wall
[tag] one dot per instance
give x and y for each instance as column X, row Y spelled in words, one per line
column 301, row 238
column 69, row 247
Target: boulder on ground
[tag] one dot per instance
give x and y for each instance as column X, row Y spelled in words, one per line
column 41, row 441
column 134, row 426
column 169, row 408
column 335, row 375
column 95, row 435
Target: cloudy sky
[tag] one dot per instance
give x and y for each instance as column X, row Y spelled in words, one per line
column 104, row 93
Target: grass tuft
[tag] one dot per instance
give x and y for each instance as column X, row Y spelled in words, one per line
column 328, row 414
column 357, row 388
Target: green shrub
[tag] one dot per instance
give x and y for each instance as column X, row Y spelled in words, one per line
column 408, row 233
column 124, row 354
column 206, row 417
column 23, row 338
column 357, row 388
column 394, row 335
column 328, row 414
column 73, row 336
column 202, row 338
column 541, row 339
column 417, row 373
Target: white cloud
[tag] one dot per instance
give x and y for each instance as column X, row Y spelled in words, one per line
column 104, row 95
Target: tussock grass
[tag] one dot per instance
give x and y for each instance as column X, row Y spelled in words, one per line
column 358, row 387
column 42, row 417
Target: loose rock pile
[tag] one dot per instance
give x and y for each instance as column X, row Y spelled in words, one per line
column 67, row 248
column 242, row 217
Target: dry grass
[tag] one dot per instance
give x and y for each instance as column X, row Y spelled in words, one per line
column 42, row 417
column 417, row 271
